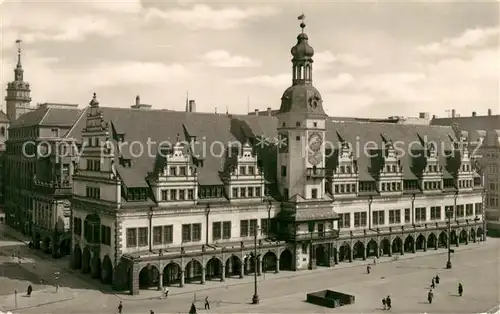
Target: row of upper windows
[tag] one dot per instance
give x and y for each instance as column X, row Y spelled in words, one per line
column 177, row 194
column 247, row 192
column 395, row 215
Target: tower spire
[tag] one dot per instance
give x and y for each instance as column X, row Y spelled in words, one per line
column 18, row 71
column 187, row 101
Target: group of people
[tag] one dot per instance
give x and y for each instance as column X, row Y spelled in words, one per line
column 387, row 303
column 192, row 310
column 434, row 282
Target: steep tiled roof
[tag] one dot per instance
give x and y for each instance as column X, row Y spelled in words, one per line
column 158, row 126
column 471, row 124
column 48, row 117
column 3, row 117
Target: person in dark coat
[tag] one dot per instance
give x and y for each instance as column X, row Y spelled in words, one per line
column 433, row 284
column 388, row 301
column 120, row 307
column 207, row 304
column 437, row 279
column 430, row 296
column 368, row 268
column 384, row 304
column 192, row 310
column 28, row 292
column 460, row 289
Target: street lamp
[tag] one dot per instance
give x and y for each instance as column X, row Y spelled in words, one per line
column 255, row 298
column 207, row 213
column 448, row 263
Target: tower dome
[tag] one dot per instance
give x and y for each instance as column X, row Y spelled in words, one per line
column 302, row 49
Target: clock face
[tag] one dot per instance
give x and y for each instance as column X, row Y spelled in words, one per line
column 314, row 158
column 315, row 142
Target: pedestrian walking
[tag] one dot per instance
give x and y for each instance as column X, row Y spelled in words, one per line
column 368, row 268
column 433, row 284
column 384, row 304
column 57, row 287
column 120, row 307
column 430, row 296
column 192, row 310
column 28, row 292
column 207, row 304
column 460, row 289
column 374, row 261
column 437, row 279
column 388, row 301
column 165, row 292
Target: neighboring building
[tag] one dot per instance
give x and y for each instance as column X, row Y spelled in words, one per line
column 299, row 183
column 484, row 139
column 4, row 125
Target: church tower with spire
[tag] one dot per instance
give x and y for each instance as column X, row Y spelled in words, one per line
column 301, row 129
column 18, row 97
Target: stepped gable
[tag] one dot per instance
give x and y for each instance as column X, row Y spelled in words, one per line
column 161, row 125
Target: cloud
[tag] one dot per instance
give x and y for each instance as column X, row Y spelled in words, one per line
column 280, row 80
column 201, row 16
column 223, row 59
column 471, row 38
column 326, row 59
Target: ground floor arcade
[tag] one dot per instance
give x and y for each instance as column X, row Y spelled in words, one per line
column 155, row 271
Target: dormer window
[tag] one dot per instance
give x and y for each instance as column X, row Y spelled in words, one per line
column 182, row 171
column 394, row 169
column 173, row 171
column 297, row 123
column 251, row 170
column 242, row 170
column 348, row 169
column 388, row 168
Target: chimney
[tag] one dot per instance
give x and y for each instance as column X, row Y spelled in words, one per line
column 433, row 117
column 473, row 113
column 138, row 104
column 192, row 106
column 489, row 112
column 137, row 100
column 269, row 111
column 453, row 113
column 256, row 112
column 423, row 115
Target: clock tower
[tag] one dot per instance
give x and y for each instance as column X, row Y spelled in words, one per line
column 301, row 130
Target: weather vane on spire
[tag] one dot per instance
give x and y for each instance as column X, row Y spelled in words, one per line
column 18, row 42
column 302, row 18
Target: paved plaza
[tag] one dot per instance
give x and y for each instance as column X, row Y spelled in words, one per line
column 406, row 280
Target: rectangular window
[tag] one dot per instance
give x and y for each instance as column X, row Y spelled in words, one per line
column 314, row 193
column 264, row 226
column 243, row 228
column 469, row 210
column 143, row 236
column 131, row 237
column 253, row 227
column 216, row 231
column 378, row 217
column 460, row 211
column 251, row 170
column 186, row 233
column 321, row 230
column 250, row 191
column 164, row 195
column 479, row 208
column 190, row 194
column 420, row 214
column 196, row 232
column 395, row 216
column 360, row 219
column 449, row 212
column 226, row 230
column 242, row 170
column 168, row 234
column 283, row 171
column 182, row 171
column 235, row 192
column 243, row 192
column 346, row 220
column 407, row 215
column 157, row 234
column 173, row 171
column 173, row 195
column 182, row 195
column 258, row 192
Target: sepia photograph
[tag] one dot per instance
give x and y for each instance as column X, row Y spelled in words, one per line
column 286, row 156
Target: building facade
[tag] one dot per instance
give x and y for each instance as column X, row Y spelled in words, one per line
column 484, row 139
column 163, row 197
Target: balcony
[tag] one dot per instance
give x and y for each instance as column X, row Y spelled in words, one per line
column 330, row 234
column 316, row 172
column 51, row 187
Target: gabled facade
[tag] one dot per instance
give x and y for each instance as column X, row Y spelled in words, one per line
column 207, row 190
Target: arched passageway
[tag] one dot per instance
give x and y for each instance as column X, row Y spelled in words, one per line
column 443, row 240
column 345, row 253
column 463, row 238
column 95, row 267
column 77, row 257
column 65, row 247
column 86, row 260
column 148, row 277
column 233, row 266
column 269, row 262
column 409, row 244
column 193, row 271
column 371, row 248
column 286, row 260
column 432, row 241
column 397, row 245
column 250, row 264
column 321, row 255
column 171, row 274
column 107, row 270
column 385, row 247
column 454, row 238
column 358, row 250
column 421, row 242
column 214, row 269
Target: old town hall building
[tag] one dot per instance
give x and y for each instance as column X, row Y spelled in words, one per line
column 307, row 189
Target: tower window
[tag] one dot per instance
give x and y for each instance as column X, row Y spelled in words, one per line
column 297, row 123
column 297, row 138
column 315, row 124
column 314, row 193
column 283, row 171
column 284, row 124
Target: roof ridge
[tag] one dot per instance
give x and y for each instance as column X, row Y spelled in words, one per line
column 76, row 122
column 44, row 116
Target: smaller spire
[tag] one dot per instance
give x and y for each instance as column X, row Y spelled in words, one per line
column 18, row 42
column 94, row 102
column 187, row 101
column 178, row 138
column 302, row 18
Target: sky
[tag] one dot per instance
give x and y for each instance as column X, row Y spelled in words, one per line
column 372, row 59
